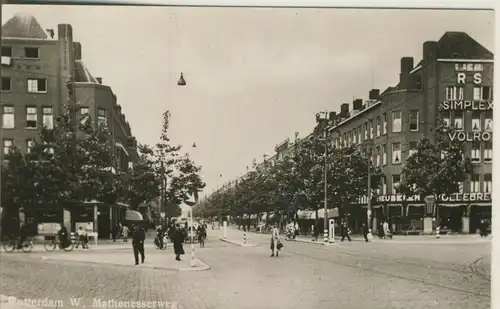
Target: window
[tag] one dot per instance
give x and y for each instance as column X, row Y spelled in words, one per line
column 8, row 117
column 31, row 117
column 84, row 111
column 396, row 153
column 384, row 124
column 487, row 183
column 458, row 120
column 377, row 160
column 378, row 126
column 482, row 93
column 101, row 117
column 7, row 143
column 372, row 129
column 366, row 131
column 6, row 83
column 29, row 145
column 475, row 153
column 384, row 185
column 474, row 183
column 384, row 154
column 31, row 52
column 488, row 152
column 6, row 51
column 488, row 121
column 476, row 121
column 454, row 93
column 446, row 116
column 37, row 85
column 396, row 122
column 359, row 134
column 396, row 179
column 413, row 148
column 413, row 120
column 48, row 117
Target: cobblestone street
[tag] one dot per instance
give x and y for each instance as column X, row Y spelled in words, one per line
column 355, row 274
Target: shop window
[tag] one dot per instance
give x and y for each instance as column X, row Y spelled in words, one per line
column 396, row 122
column 396, row 153
column 414, row 119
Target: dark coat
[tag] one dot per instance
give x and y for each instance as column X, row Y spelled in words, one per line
column 178, row 239
column 139, row 236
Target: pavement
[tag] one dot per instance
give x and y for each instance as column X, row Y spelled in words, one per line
column 351, row 274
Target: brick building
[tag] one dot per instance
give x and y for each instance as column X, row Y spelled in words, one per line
column 453, row 82
column 36, row 64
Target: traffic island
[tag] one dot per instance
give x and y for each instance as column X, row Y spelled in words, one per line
column 237, row 243
column 154, row 260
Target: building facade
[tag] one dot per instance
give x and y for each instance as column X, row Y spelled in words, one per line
column 452, row 83
column 36, row 65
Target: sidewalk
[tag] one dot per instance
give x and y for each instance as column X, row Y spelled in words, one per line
column 154, row 259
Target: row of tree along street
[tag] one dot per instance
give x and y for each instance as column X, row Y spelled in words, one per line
column 73, row 162
column 295, row 183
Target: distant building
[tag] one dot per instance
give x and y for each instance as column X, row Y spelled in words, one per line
column 36, row 65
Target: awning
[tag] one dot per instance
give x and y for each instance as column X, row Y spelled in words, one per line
column 451, row 204
column 481, row 204
column 132, row 215
column 416, row 205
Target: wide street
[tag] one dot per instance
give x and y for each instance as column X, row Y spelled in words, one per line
column 344, row 275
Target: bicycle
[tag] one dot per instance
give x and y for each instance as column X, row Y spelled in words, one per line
column 12, row 244
column 51, row 245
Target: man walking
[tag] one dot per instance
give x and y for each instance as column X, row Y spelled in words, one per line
column 345, row 231
column 138, row 244
column 365, row 231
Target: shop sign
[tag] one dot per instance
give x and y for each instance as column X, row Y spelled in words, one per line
column 469, row 136
column 478, row 105
column 477, row 78
column 398, row 198
column 470, row 67
column 466, row 197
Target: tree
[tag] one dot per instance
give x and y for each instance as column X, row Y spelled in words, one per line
column 436, row 168
column 142, row 181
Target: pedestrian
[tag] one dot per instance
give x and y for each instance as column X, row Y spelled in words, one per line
column 202, row 234
column 381, row 230
column 385, row 227
column 345, row 231
column 178, row 237
column 125, row 231
column 82, row 238
column 114, row 232
column 483, row 228
column 365, row 231
column 138, row 244
column 275, row 241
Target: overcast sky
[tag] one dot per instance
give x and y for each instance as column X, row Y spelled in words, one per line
column 255, row 76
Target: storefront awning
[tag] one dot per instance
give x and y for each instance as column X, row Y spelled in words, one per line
column 450, row 204
column 481, row 204
column 132, row 215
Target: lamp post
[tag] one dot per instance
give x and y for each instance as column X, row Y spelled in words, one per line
column 369, row 195
column 324, row 122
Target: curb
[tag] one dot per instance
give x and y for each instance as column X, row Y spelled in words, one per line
column 320, row 243
column 200, row 266
column 236, row 243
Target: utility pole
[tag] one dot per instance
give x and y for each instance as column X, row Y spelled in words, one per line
column 325, row 223
column 369, row 195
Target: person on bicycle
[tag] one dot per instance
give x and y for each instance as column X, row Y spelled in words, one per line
column 63, row 237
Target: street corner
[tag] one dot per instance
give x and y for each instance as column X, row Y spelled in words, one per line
column 198, row 265
column 237, row 243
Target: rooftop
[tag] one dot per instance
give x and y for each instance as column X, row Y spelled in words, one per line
column 23, row 26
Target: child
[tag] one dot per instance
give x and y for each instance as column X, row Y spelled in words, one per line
column 82, row 238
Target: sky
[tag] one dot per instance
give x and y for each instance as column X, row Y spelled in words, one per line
column 254, row 76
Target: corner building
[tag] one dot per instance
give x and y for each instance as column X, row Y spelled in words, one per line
column 452, row 82
column 36, row 65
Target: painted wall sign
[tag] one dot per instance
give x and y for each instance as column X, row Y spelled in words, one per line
column 469, row 136
column 398, row 198
column 466, row 197
column 470, row 67
column 484, row 105
column 477, row 78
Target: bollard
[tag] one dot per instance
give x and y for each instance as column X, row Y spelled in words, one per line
column 325, row 236
column 225, row 228
column 245, row 238
column 437, row 232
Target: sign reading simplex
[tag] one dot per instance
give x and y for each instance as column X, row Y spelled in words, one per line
column 483, row 105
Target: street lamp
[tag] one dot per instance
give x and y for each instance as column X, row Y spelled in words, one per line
column 325, row 122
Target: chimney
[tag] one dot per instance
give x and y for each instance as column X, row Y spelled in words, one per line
column 374, row 94
column 332, row 115
column 357, row 104
column 344, row 110
column 77, row 49
column 430, row 51
column 99, row 80
column 406, row 67
column 64, row 32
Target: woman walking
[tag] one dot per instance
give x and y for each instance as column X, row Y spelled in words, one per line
column 275, row 241
column 177, row 240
